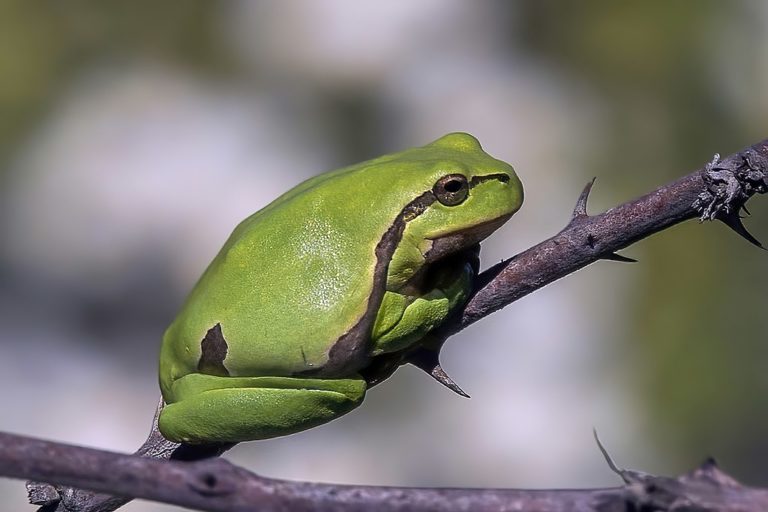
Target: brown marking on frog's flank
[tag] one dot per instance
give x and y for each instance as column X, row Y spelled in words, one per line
column 213, row 352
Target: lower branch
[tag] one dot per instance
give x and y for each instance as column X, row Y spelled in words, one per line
column 82, row 498
column 217, row 485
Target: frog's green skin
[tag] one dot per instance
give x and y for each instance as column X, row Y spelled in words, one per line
column 307, row 292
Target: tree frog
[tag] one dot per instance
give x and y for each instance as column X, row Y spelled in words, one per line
column 307, row 294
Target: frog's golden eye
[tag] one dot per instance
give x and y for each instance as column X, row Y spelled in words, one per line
column 451, row 189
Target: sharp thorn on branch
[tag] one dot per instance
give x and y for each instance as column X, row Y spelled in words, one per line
column 428, row 360
column 612, row 256
column 734, row 222
column 608, row 459
column 627, row 475
column 440, row 376
column 580, row 210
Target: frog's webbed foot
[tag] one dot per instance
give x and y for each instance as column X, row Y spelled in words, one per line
column 729, row 184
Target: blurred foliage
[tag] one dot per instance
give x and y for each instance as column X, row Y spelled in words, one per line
column 43, row 45
column 655, row 65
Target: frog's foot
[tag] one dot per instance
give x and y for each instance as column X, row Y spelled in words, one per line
column 208, row 408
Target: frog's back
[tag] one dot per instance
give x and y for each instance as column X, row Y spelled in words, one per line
column 290, row 280
column 297, row 277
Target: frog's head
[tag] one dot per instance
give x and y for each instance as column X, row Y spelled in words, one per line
column 468, row 195
column 472, row 202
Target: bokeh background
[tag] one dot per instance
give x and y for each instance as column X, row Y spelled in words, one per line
column 135, row 135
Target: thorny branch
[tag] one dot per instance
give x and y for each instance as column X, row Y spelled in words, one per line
column 719, row 191
column 217, row 485
column 198, row 479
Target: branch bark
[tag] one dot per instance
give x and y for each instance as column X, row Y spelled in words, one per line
column 217, row 485
column 717, row 192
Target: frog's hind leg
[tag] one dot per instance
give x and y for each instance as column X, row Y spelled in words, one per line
column 208, row 408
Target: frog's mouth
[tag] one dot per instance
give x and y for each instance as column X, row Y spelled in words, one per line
column 452, row 243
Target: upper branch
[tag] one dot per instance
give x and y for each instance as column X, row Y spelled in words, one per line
column 716, row 192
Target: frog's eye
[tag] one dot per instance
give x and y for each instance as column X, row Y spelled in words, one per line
column 451, row 189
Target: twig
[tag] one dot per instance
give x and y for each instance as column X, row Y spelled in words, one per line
column 716, row 192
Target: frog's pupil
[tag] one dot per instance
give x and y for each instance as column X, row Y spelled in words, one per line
column 453, row 186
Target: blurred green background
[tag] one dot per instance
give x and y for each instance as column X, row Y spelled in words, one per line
column 135, row 135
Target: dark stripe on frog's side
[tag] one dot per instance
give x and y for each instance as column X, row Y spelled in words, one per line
column 349, row 353
column 213, row 352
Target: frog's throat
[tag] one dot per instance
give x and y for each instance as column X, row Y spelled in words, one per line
column 452, row 243
column 349, row 354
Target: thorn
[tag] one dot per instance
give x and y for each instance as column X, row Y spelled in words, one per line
column 612, row 256
column 734, row 222
column 629, row 476
column 428, row 360
column 609, row 460
column 440, row 376
column 580, row 210
column 744, row 207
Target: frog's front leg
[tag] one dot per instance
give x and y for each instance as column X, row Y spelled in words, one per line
column 404, row 320
column 208, row 408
